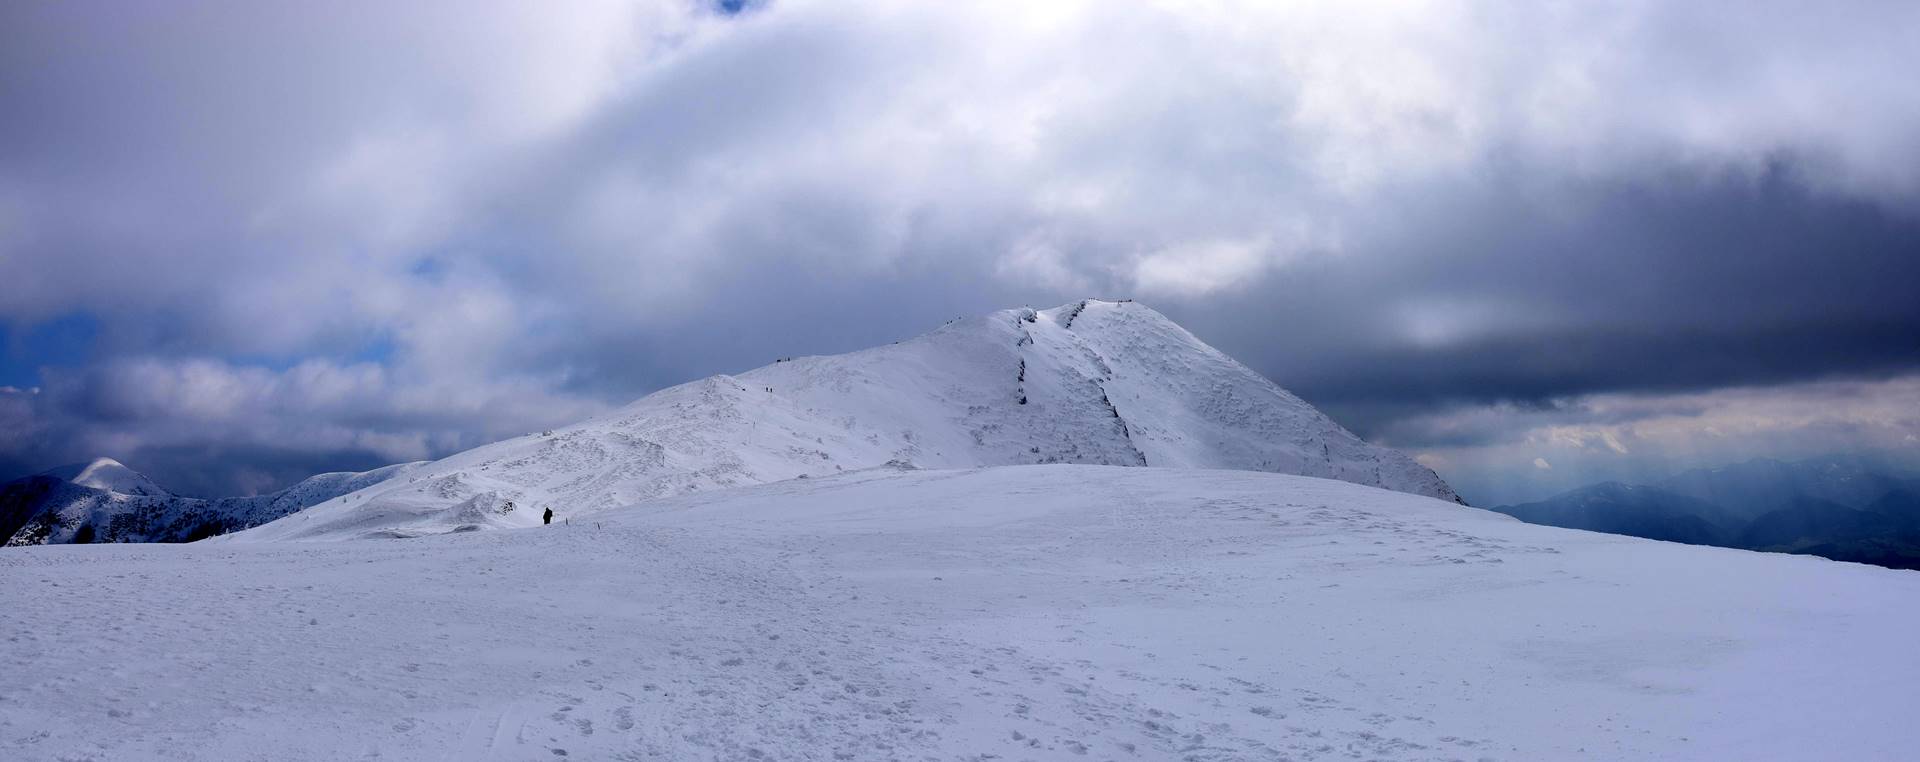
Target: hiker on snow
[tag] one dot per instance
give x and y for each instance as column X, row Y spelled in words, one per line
column 548, row 518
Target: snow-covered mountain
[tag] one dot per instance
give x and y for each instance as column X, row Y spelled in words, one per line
column 1092, row 382
column 109, row 475
column 104, row 501
column 1053, row 612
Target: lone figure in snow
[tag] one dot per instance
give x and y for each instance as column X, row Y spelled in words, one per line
column 547, row 518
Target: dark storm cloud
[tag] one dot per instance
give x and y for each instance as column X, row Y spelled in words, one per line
column 308, row 235
column 1685, row 285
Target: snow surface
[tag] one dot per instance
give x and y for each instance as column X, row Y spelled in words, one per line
column 1093, row 382
column 1029, row 612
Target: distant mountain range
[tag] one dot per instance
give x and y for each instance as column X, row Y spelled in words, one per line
column 102, row 500
column 1842, row 508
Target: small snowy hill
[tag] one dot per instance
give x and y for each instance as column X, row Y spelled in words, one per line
column 105, row 501
column 1017, row 613
column 1093, row 382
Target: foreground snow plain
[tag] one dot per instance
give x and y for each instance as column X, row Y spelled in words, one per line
column 1031, row 612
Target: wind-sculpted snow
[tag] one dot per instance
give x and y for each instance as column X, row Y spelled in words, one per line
column 1030, row 612
column 1120, row 385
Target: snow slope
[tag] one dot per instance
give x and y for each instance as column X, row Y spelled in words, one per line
column 1104, row 383
column 105, row 501
column 1033, row 612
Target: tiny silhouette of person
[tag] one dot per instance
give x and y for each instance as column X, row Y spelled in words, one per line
column 548, row 517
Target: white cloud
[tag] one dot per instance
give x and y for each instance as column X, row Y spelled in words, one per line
column 1628, row 436
column 646, row 136
column 1202, row 267
column 315, row 407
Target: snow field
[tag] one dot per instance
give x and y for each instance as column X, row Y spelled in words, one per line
column 1034, row 612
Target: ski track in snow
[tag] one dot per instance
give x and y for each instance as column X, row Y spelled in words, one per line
column 1037, row 612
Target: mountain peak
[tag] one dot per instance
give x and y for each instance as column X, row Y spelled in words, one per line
column 1091, row 382
column 107, row 474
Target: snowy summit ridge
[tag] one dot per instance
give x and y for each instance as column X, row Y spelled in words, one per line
column 1091, row 382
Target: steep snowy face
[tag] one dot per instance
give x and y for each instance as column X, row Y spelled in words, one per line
column 1188, row 405
column 1093, row 382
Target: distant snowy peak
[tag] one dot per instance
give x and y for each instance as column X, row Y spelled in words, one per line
column 1092, row 382
column 104, row 501
column 109, row 475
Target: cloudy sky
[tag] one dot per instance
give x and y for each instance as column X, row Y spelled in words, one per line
column 1538, row 244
